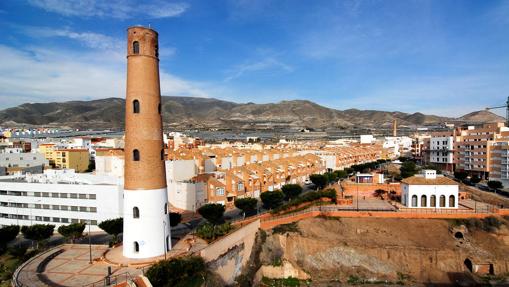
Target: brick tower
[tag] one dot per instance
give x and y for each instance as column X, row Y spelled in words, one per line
column 146, row 218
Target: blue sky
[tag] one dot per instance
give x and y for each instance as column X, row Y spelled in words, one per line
column 439, row 57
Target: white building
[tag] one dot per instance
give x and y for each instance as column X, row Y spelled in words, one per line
column 367, row 139
column 442, row 150
column 59, row 197
column 429, row 190
column 400, row 146
column 19, row 159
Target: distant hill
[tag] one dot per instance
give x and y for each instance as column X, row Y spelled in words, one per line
column 189, row 112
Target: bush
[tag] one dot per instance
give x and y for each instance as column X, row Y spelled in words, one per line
column 495, row 184
column 72, row 231
column 113, row 227
column 18, row 251
column 291, row 190
column 475, row 179
column 175, row 218
column 308, row 197
column 319, row 180
column 210, row 232
column 38, row 232
column 185, row 271
column 408, row 169
column 7, row 234
column 272, row 199
column 247, row 205
column 213, row 212
column 284, row 228
column 461, row 175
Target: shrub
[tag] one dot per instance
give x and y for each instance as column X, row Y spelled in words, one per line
column 175, row 218
column 284, row 228
column 247, row 205
column 210, row 232
column 7, row 234
column 272, row 199
column 308, row 197
column 291, row 190
column 213, row 212
column 461, row 175
column 495, row 184
column 319, row 180
column 72, row 231
column 185, row 271
column 113, row 227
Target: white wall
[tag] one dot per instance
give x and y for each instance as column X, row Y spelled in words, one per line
column 407, row 191
column 179, row 170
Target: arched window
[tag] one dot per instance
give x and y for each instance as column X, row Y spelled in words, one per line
column 433, row 201
column 136, row 212
column 442, row 200
column 414, row 200
column 136, row 247
column 136, row 106
column 159, row 108
column 423, row 201
column 136, row 47
column 452, row 201
column 157, row 51
column 167, row 243
column 166, row 208
column 136, row 155
column 162, row 154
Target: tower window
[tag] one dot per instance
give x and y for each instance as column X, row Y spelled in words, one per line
column 166, row 208
column 157, row 51
column 136, row 47
column 162, row 154
column 136, row 106
column 159, row 108
column 136, row 155
column 136, row 212
column 136, row 247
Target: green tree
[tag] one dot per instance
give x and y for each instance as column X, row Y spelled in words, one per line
column 38, row 232
column 247, row 205
column 213, row 212
column 72, row 231
column 460, row 175
column 291, row 190
column 408, row 169
column 319, row 180
column 272, row 199
column 340, row 174
column 178, row 272
column 7, row 234
column 495, row 184
column 175, row 218
column 113, row 227
column 475, row 179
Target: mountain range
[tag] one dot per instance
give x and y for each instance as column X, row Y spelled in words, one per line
column 207, row 113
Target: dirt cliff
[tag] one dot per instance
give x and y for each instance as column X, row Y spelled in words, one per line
column 404, row 251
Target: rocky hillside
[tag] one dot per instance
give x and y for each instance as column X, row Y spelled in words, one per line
column 188, row 112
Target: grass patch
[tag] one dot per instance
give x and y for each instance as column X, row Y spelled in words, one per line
column 290, row 282
column 285, row 228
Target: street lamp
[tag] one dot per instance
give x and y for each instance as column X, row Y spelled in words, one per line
column 164, row 238
column 89, row 243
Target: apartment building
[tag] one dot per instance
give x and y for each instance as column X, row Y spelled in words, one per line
column 77, row 159
column 441, row 150
column 59, row 197
column 15, row 158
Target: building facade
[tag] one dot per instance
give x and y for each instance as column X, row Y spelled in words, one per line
column 429, row 190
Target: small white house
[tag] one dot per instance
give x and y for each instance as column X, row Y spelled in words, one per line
column 429, row 190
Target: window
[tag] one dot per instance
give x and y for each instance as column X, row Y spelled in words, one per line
column 136, row 247
column 83, row 209
column 65, row 220
column 56, row 219
column 93, row 222
column 157, row 51
column 452, row 201
column 442, row 200
column 64, row 207
column 37, row 194
column 433, row 201
column 136, row 155
column 63, row 195
column 136, row 212
column 56, row 207
column 136, row 47
column 414, row 200
column 159, row 108
column 166, row 208
column 54, row 195
column 162, row 154
column 423, row 201
column 91, row 196
column 220, row 191
column 45, row 206
column 83, row 196
column 45, row 194
column 93, row 209
column 74, row 195
column 74, row 208
column 136, row 106
column 167, row 243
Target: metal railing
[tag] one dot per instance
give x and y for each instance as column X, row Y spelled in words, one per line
column 111, row 280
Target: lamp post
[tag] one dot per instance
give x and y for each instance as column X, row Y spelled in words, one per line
column 89, row 243
column 164, row 238
column 357, row 187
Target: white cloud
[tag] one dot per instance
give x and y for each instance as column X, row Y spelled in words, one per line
column 120, row 9
column 43, row 75
column 264, row 64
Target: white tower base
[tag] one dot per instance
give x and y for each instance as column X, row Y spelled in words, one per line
column 148, row 235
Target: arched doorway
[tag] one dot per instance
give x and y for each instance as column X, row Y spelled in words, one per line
column 468, row 264
column 424, row 200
